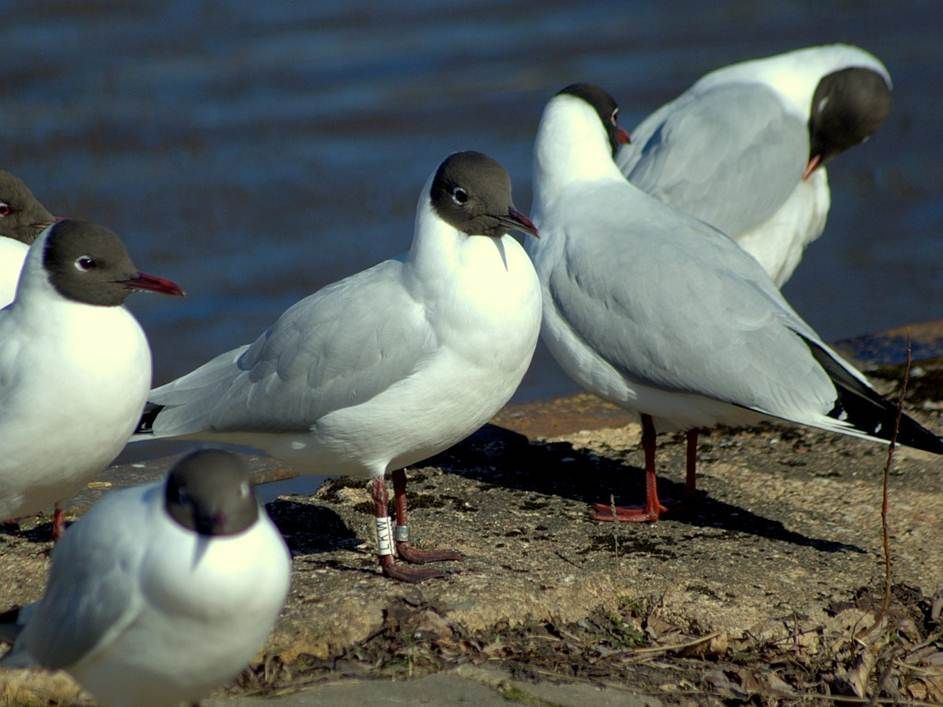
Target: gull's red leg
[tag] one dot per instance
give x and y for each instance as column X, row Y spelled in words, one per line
column 653, row 507
column 58, row 523
column 385, row 540
column 404, row 548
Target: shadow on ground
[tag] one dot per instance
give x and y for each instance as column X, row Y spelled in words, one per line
column 501, row 457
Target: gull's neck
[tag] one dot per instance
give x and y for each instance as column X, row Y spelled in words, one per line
column 34, row 288
column 38, row 301
column 571, row 146
column 435, row 241
column 794, row 76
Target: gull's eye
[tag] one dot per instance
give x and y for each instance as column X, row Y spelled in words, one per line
column 85, row 263
column 244, row 489
column 5, row 209
column 182, row 496
column 459, row 196
column 614, row 118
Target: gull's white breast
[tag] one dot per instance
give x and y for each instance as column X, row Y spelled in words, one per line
column 12, row 255
column 73, row 379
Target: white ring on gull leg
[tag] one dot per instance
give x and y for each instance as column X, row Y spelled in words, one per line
column 384, row 536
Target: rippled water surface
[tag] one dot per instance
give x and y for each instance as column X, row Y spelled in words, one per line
column 257, row 151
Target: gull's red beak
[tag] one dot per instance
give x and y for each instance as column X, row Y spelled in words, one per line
column 814, row 164
column 516, row 220
column 622, row 136
column 152, row 283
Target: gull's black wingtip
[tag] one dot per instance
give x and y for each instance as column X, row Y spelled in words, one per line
column 866, row 410
column 146, row 423
column 913, row 434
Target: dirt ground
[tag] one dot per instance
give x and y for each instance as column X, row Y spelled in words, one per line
column 767, row 590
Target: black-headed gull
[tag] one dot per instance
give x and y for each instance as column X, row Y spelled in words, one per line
column 386, row 367
column 22, row 219
column 744, row 148
column 161, row 592
column 75, row 366
column 661, row 313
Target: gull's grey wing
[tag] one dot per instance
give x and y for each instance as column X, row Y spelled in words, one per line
column 337, row 348
column 93, row 585
column 674, row 304
column 729, row 155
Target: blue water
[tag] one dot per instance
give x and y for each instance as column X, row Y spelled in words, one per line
column 257, row 151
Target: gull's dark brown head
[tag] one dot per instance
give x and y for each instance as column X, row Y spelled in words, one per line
column 472, row 193
column 848, row 106
column 606, row 108
column 22, row 216
column 89, row 264
column 209, row 493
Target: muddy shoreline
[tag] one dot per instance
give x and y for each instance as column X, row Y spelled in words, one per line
column 764, row 591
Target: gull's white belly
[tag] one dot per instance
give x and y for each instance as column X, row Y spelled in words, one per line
column 12, row 255
column 71, row 409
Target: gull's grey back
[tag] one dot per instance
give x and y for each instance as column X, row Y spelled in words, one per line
column 307, row 364
column 674, row 304
column 729, row 156
column 92, row 587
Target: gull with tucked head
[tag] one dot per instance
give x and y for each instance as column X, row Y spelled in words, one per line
column 745, row 147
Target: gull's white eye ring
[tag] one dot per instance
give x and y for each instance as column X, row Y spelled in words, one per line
column 459, row 196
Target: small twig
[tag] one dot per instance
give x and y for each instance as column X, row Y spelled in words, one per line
column 673, row 647
column 885, row 533
column 566, row 634
column 794, row 637
column 926, row 672
column 567, row 559
column 932, row 638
